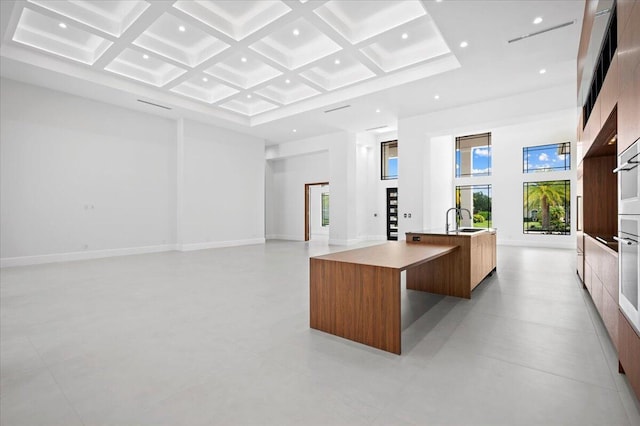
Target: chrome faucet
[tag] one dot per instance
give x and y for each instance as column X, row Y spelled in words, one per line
column 458, row 216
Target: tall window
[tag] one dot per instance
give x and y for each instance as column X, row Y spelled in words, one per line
column 325, row 209
column 389, row 160
column 473, row 155
column 546, row 207
column 546, row 158
column 476, row 199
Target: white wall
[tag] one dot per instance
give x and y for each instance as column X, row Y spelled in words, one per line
column 81, row 176
column 438, row 178
column 82, row 179
column 286, row 178
column 378, row 223
column 222, row 189
column 526, row 119
column 348, row 162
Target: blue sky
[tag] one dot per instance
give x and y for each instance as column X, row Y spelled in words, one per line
column 392, row 166
column 481, row 161
column 544, row 158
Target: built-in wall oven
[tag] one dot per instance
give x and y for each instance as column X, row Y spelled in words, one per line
column 629, row 232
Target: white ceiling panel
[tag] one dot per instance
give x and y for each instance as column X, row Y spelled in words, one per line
column 243, row 70
column 142, row 67
column 359, row 20
column 171, row 37
column 249, row 107
column 286, row 91
column 337, row 71
column 407, row 45
column 238, row 18
column 112, row 16
column 204, row 89
column 204, row 57
column 296, row 44
column 59, row 37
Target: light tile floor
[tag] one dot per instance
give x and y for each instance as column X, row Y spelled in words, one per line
column 221, row 337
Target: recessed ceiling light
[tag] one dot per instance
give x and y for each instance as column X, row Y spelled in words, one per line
column 243, row 59
column 464, row 44
column 205, row 79
column 145, row 56
column 436, row 97
column 182, row 28
column 542, row 71
column 378, row 110
column 296, row 32
column 62, row 25
column 537, row 20
column 287, row 81
column 405, row 36
column 337, row 62
column 294, row 130
column 248, row 96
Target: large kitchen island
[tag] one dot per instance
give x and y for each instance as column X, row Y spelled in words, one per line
column 460, row 272
column 355, row 294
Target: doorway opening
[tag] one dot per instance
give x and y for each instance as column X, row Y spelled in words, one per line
column 316, row 210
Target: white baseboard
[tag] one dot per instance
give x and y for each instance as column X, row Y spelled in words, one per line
column 81, row 255
column 219, row 244
column 98, row 254
column 336, row 242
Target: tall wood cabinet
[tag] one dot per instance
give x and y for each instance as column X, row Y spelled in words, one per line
column 611, row 126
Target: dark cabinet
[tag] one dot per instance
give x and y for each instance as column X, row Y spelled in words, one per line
column 392, row 214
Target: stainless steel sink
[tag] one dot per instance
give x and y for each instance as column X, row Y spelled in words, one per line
column 471, row 230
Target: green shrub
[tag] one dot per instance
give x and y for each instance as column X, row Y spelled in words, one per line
column 478, row 218
column 484, row 214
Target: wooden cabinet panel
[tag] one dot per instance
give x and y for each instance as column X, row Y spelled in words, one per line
column 629, row 352
column 588, row 275
column 494, row 256
column 596, row 293
column 462, row 270
column 580, row 265
column 609, row 273
column 624, row 12
column 601, row 279
column 629, row 110
column 609, row 316
column 609, row 92
column 600, row 200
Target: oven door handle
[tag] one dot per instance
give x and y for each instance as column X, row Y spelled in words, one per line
column 628, row 166
column 625, row 241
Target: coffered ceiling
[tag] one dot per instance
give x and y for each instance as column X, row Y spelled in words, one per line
column 260, row 65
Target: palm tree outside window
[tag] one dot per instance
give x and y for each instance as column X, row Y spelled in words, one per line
column 547, row 208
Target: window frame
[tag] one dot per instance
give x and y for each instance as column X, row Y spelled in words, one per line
column 562, row 145
column 566, row 206
column 458, row 166
column 384, row 156
column 483, row 186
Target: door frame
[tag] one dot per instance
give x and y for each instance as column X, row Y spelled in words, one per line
column 307, row 190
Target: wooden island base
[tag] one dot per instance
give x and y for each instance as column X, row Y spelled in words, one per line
column 355, row 294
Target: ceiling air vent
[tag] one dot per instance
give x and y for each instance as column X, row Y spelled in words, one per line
column 151, row 103
column 338, row 108
column 546, row 30
column 376, row 128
